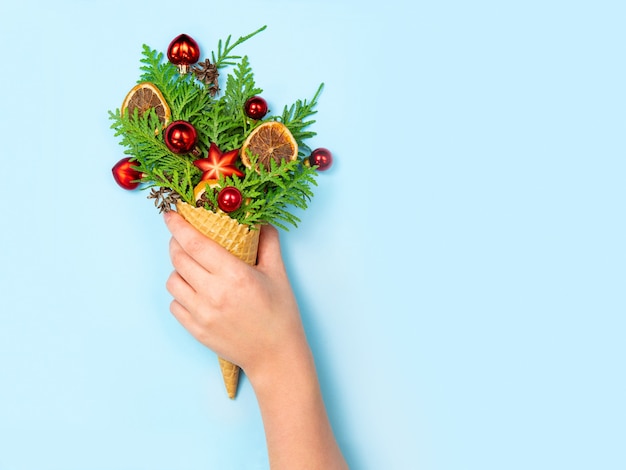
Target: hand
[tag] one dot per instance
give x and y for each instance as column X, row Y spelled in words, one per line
column 249, row 316
column 246, row 314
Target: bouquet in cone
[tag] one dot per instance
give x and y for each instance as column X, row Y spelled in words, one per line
column 211, row 149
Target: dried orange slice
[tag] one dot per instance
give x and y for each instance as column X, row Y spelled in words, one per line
column 200, row 188
column 270, row 141
column 145, row 96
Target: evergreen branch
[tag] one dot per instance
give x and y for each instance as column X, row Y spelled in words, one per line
column 270, row 193
column 151, row 156
column 239, row 87
column 159, row 72
column 223, row 58
column 294, row 117
column 190, row 101
column 221, row 127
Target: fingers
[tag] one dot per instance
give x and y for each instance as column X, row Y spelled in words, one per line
column 184, row 294
column 187, row 320
column 209, row 254
column 181, row 313
column 183, row 307
column 188, row 268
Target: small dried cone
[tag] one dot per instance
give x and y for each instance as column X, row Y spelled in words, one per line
column 238, row 239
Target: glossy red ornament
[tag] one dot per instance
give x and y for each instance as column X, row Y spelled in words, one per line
column 183, row 51
column 180, row 137
column 322, row 158
column 229, row 199
column 126, row 174
column 256, row 107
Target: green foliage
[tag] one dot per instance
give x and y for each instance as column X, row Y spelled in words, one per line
column 294, row 117
column 144, row 143
column 269, row 194
column 224, row 121
column 223, row 58
column 239, row 87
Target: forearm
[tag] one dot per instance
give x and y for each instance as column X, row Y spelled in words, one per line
column 297, row 429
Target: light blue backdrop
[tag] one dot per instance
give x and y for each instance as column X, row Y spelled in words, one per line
column 460, row 271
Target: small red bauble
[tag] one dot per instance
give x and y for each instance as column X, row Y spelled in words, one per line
column 256, row 107
column 183, row 51
column 322, row 158
column 126, row 174
column 229, row 199
column 180, row 137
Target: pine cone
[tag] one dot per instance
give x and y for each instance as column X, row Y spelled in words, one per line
column 206, row 72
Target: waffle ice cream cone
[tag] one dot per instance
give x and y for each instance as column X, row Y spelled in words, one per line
column 239, row 240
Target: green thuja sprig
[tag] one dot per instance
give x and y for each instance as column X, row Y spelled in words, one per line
column 223, row 59
column 224, row 121
column 270, row 193
column 295, row 118
column 293, row 190
column 159, row 72
column 186, row 97
column 239, row 87
column 143, row 141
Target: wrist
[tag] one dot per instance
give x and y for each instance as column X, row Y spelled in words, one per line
column 291, row 365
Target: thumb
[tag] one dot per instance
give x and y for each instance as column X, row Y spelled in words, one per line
column 269, row 255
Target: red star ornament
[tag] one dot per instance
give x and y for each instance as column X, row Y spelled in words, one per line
column 218, row 163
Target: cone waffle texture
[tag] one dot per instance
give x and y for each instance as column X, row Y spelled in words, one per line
column 230, row 374
column 239, row 240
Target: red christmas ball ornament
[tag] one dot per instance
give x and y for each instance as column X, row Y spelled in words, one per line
column 256, row 107
column 126, row 174
column 229, row 199
column 183, row 51
column 322, row 158
column 180, row 137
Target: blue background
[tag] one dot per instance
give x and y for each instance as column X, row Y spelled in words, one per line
column 460, row 270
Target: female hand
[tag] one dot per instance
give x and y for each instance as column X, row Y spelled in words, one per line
column 249, row 316
column 245, row 314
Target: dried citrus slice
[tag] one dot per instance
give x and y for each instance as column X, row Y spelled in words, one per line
column 200, row 188
column 145, row 96
column 270, row 141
